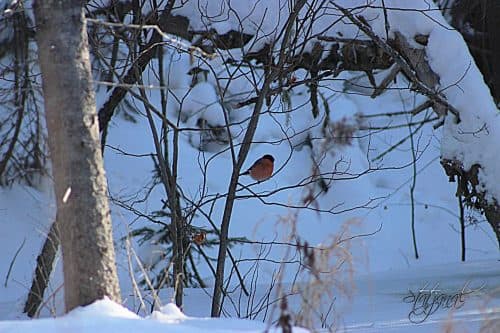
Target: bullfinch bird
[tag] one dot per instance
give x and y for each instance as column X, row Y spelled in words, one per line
column 262, row 169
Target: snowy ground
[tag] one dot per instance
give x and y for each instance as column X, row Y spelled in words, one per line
column 106, row 316
column 381, row 302
column 385, row 269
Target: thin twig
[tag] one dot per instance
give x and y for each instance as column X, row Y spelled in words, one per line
column 176, row 42
column 462, row 222
column 412, row 191
column 12, row 262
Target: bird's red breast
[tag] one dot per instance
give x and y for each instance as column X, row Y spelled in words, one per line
column 262, row 169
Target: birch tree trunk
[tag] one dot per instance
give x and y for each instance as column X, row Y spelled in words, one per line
column 77, row 166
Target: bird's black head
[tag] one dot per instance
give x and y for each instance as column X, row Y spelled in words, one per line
column 269, row 157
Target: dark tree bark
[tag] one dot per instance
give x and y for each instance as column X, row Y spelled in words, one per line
column 479, row 23
column 80, row 184
column 43, row 270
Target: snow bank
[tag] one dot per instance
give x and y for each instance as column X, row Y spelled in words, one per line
column 106, row 316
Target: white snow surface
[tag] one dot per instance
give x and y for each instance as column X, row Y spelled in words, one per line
column 106, row 316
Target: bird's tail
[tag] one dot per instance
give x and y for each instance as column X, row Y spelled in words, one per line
column 245, row 173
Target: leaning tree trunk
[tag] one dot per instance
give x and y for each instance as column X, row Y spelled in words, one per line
column 80, row 184
column 44, row 267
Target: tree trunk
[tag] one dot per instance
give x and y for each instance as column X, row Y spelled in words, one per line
column 43, row 270
column 80, row 185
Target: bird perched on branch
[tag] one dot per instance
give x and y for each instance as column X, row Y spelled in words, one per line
column 262, row 169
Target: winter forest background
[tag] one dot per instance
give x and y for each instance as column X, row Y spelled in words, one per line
column 382, row 117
